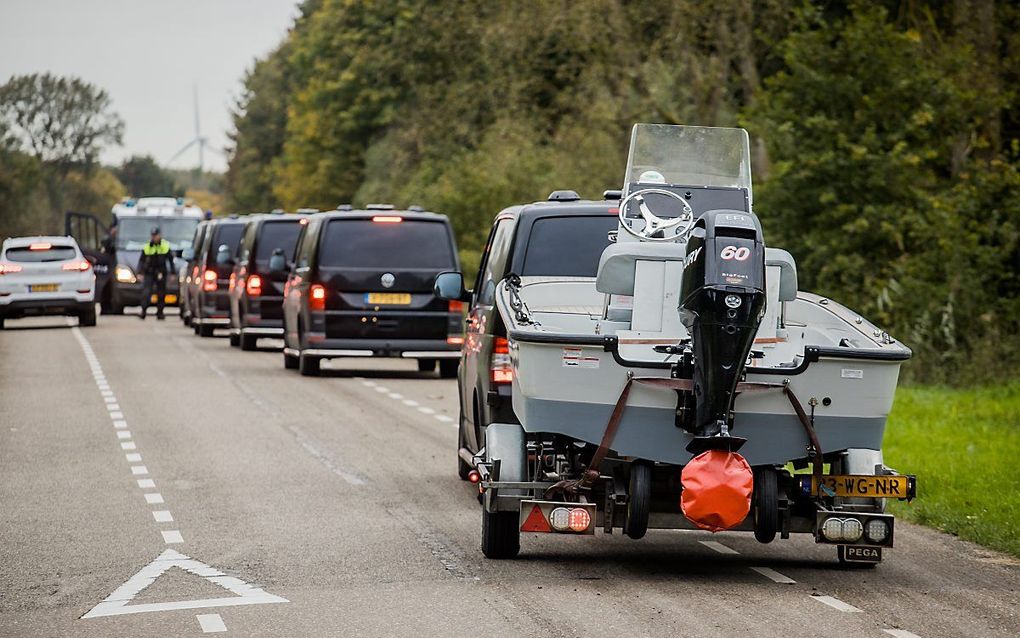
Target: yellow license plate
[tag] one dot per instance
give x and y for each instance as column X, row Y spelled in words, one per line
column 44, row 288
column 866, row 486
column 388, row 298
column 166, row 299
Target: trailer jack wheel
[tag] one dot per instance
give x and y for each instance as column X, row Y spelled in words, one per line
column 766, row 504
column 639, row 500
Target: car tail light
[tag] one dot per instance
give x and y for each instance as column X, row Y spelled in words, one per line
column 454, row 340
column 9, row 268
column 317, row 297
column 455, row 306
column 253, row 286
column 209, row 281
column 232, row 282
column 502, row 372
column 387, row 219
column 81, row 266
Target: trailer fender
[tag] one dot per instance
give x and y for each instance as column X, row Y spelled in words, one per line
column 505, row 442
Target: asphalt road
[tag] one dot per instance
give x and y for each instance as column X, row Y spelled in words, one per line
column 173, row 477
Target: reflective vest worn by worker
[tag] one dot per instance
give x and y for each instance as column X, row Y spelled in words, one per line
column 156, row 257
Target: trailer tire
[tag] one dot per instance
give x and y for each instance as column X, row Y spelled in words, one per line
column 766, row 504
column 639, row 500
column 501, row 538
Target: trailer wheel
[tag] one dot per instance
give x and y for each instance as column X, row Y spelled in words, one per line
column 501, row 538
column 639, row 500
column 766, row 504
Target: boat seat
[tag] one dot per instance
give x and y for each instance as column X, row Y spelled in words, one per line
column 787, row 272
column 618, row 262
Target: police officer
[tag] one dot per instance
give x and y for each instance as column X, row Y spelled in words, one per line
column 156, row 262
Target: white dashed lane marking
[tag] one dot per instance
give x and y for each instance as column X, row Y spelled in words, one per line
column 138, row 470
column 774, row 576
column 410, row 403
column 154, row 498
column 146, row 483
column 123, row 434
column 425, row 410
column 719, row 547
column 900, row 633
column 128, row 445
column 836, row 603
column 211, row 623
column 443, row 418
column 171, row 536
column 162, row 516
column 133, row 458
column 120, row 423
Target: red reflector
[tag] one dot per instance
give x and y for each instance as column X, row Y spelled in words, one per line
column 455, row 341
column 717, row 489
column 501, row 368
column 455, row 306
column 474, row 476
column 40, row 246
column 536, row 521
column 387, row 219
column 253, row 286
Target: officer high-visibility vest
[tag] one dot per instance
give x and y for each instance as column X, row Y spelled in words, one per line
column 162, row 248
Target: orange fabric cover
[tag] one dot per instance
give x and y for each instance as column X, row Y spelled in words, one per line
column 717, row 488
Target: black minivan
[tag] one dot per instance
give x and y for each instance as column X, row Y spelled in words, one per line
column 362, row 287
column 209, row 302
column 264, row 258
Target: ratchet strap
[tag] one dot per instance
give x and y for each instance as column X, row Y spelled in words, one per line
column 572, row 486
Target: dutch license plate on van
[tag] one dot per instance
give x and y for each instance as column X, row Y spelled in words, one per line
column 893, row 486
column 388, row 298
column 43, row 288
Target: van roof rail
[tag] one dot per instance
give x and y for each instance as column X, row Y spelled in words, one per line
column 344, row 207
column 379, row 207
column 415, row 208
column 613, row 194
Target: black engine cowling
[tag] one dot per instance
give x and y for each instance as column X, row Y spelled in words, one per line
column 722, row 303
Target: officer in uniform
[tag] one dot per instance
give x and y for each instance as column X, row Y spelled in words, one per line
column 155, row 263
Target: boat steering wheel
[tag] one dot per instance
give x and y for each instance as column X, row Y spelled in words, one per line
column 655, row 227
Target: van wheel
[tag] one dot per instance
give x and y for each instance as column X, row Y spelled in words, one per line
column 501, row 537
column 766, row 504
column 248, row 342
column 235, row 340
column 639, row 500
column 308, row 366
column 448, row 368
column 426, row 365
column 1, row 323
column 206, row 330
column 87, row 318
column 290, row 362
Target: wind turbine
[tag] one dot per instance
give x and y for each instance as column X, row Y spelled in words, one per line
column 198, row 139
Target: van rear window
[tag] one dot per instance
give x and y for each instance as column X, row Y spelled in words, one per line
column 229, row 234
column 362, row 243
column 275, row 235
column 28, row 255
column 567, row 246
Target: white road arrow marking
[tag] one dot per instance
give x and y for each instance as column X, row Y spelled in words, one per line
column 116, row 604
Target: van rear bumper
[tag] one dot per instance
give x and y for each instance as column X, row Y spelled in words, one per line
column 398, row 348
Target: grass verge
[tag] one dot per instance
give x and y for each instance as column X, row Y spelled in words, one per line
column 964, row 447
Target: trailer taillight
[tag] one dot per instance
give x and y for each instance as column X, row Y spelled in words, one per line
column 253, row 286
column 209, row 283
column 502, row 371
column 317, row 297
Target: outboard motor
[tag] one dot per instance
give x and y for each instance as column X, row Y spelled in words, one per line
column 722, row 303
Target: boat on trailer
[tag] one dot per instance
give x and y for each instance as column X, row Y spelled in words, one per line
column 690, row 384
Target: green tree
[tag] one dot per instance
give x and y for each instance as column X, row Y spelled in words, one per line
column 142, row 176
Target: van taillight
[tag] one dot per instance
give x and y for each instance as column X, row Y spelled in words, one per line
column 209, row 281
column 502, row 372
column 455, row 306
column 387, row 219
column 253, row 286
column 317, row 297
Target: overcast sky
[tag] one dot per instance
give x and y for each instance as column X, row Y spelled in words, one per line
column 148, row 54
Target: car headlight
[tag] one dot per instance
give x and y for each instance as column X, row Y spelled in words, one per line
column 877, row 530
column 125, row 275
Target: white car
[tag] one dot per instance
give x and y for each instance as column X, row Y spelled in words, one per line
column 46, row 276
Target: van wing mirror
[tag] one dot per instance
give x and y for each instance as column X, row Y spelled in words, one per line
column 450, row 286
column 223, row 256
column 278, row 261
column 188, row 253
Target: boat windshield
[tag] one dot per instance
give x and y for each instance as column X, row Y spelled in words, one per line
column 689, row 156
column 133, row 232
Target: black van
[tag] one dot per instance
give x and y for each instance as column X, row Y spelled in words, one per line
column 191, row 271
column 362, row 287
column 209, row 302
column 256, row 286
